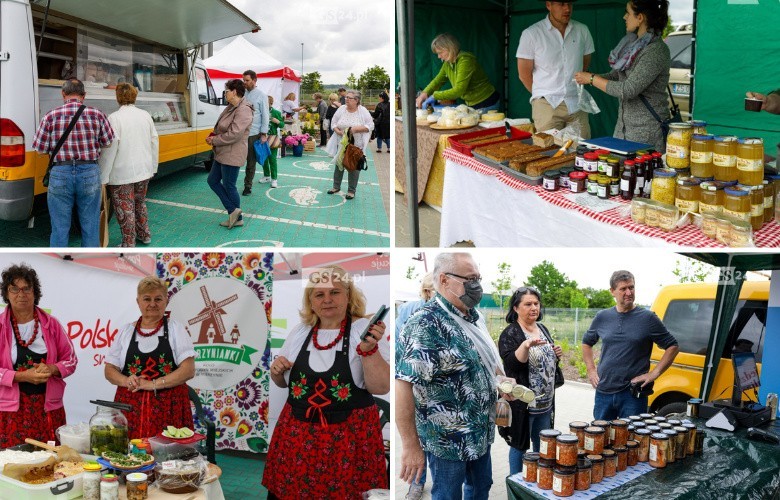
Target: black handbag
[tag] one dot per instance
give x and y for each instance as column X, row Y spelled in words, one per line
column 559, row 380
column 676, row 116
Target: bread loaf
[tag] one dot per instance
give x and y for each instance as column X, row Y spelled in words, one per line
column 543, row 140
column 538, row 167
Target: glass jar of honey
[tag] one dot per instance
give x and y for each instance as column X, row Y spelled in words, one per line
column 701, row 155
column 686, row 196
column 724, row 158
column 711, row 197
column 708, row 225
column 722, row 230
column 750, row 161
column 736, row 203
column 740, row 234
column 678, row 145
column 699, row 127
column 756, row 205
column 769, row 200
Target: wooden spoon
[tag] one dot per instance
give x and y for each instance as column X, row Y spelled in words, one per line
column 40, row 444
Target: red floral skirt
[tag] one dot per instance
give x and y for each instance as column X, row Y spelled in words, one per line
column 30, row 421
column 151, row 415
column 307, row 460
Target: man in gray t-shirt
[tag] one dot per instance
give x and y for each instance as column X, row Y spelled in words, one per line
column 627, row 333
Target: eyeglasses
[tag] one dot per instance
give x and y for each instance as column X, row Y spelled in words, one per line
column 527, row 289
column 476, row 279
column 15, row 289
column 352, row 98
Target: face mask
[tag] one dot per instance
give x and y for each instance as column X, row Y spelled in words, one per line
column 472, row 294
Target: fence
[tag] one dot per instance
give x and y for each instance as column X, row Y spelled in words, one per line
column 563, row 324
column 369, row 97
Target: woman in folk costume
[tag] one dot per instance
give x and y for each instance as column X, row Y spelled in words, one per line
column 150, row 361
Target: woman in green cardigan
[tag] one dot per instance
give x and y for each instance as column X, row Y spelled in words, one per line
column 274, row 124
column 468, row 79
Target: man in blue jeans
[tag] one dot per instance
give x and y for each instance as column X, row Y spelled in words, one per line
column 75, row 177
column 627, row 333
column 446, row 363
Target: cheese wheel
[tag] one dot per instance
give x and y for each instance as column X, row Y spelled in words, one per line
column 492, row 116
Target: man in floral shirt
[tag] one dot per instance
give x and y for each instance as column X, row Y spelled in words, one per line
column 446, row 364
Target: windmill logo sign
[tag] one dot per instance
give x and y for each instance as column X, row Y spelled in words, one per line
column 228, row 327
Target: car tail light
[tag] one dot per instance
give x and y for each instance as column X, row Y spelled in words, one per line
column 11, row 144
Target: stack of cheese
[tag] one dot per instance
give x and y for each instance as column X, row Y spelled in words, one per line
column 462, row 116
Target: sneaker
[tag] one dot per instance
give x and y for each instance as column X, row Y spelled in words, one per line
column 233, row 218
column 415, row 491
column 226, row 223
column 264, row 180
column 247, row 191
column 274, row 184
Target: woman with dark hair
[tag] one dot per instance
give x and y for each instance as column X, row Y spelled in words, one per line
column 381, row 116
column 230, row 142
column 35, row 357
column 530, row 358
column 640, row 74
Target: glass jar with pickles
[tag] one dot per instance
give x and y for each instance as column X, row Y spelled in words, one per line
column 701, row 155
column 687, row 194
column 108, row 431
column 736, row 203
column 678, row 145
column 664, row 186
column 750, row 161
column 724, row 158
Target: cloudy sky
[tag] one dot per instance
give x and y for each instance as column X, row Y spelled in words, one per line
column 681, row 11
column 338, row 40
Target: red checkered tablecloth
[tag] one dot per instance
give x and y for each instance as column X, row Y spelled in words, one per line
column 687, row 236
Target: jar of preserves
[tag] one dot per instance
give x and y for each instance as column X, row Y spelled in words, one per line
column 613, row 167
column 699, row 449
column 108, row 431
column 659, row 443
column 736, row 203
column 633, row 452
column 579, row 158
column 591, row 163
column 681, row 442
column 91, row 480
column 603, row 187
column 614, row 186
column 691, row 428
column 724, row 158
column 594, row 439
column 593, row 184
column 723, row 230
column 667, row 217
column 544, row 474
column 530, row 463
column 664, row 184
column 686, row 196
column 577, row 182
column 740, row 234
column 659, row 418
column 671, row 450
column 769, row 197
column 638, row 210
column 750, row 161
column 547, row 443
column 711, row 197
column 708, row 225
column 109, row 487
column 563, row 180
column 642, row 436
column 699, row 126
column 756, row 205
column 701, row 155
column 646, row 416
column 627, row 182
column 550, row 180
column 564, row 479
column 622, row 457
column 136, row 486
column 636, row 426
column 596, row 468
column 602, row 163
column 664, row 425
column 578, row 429
column 610, row 463
column 584, row 475
column 618, row 433
column 566, row 449
column 678, row 145
column 651, row 214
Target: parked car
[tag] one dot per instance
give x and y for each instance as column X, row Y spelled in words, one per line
column 680, row 50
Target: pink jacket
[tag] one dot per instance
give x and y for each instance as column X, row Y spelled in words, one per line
column 60, row 352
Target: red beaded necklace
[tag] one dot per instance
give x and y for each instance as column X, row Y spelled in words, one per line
column 153, row 332
column 15, row 328
column 335, row 341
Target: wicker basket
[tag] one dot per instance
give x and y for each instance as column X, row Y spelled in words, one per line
column 309, row 145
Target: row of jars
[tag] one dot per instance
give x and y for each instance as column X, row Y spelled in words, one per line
column 725, row 158
column 573, row 462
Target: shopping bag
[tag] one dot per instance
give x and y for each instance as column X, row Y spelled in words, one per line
column 262, row 151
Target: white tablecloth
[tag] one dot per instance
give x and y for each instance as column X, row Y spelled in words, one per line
column 482, row 209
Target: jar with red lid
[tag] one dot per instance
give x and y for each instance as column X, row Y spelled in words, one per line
column 659, row 443
column 566, row 449
column 610, row 463
column 594, row 439
column 530, row 463
column 622, row 457
column 547, row 443
column 577, row 182
column 633, row 452
column 578, row 429
column 544, row 474
column 597, row 468
column 584, row 475
column 590, row 163
column 618, row 433
column 564, row 479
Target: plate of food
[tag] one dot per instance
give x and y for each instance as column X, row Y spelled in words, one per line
column 127, row 462
column 172, row 432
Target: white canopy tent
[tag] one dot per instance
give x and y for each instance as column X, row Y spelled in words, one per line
column 273, row 77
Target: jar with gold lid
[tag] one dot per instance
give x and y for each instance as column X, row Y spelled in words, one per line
column 678, row 145
column 701, row 155
column 750, row 161
column 724, row 158
column 593, row 184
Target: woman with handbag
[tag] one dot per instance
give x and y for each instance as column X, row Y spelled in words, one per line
column 334, row 105
column 274, row 142
column 530, row 357
column 640, row 74
column 358, row 119
column 382, row 122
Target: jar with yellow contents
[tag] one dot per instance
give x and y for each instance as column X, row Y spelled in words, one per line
column 701, row 155
column 699, row 127
column 663, row 185
column 687, row 194
column 769, row 200
column 711, row 197
column 736, row 203
column 756, row 206
column 750, row 161
column 678, row 145
column 724, row 158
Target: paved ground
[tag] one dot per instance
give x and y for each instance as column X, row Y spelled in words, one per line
column 574, row 401
column 184, row 212
column 430, row 224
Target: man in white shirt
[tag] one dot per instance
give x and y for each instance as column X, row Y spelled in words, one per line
column 549, row 54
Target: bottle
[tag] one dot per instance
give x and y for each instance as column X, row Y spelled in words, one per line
column 627, row 182
column 771, row 403
column 640, row 168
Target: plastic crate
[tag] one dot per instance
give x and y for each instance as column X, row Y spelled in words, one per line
column 457, row 145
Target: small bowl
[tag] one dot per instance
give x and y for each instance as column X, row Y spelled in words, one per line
column 753, row 104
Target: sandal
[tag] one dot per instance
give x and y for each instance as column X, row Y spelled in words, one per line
column 349, row 196
column 333, row 191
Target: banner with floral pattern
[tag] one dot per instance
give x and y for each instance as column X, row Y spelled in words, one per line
column 224, row 302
